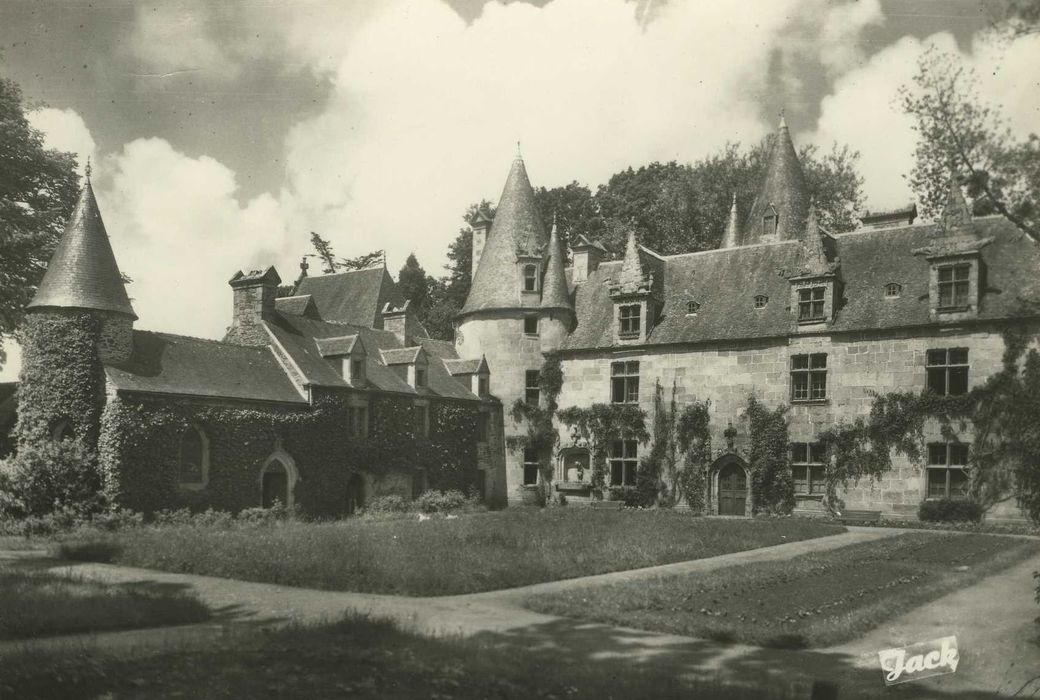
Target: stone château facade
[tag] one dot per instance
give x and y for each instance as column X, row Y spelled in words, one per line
column 324, row 394
column 783, row 311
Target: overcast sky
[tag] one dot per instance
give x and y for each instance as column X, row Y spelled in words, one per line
column 223, row 133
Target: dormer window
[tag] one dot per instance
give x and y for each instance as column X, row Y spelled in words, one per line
column 357, row 372
column 810, row 304
column 893, row 290
column 420, row 377
column 629, row 320
column 530, row 278
column 954, row 286
column 760, row 301
column 483, row 388
column 770, row 222
column 692, row 307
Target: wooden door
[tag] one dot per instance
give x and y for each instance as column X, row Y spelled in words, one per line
column 732, row 490
column 275, row 487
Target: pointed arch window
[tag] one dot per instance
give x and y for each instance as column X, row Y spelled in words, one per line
column 530, row 278
column 193, row 458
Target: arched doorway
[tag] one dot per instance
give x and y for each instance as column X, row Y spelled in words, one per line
column 729, row 481
column 275, row 484
column 355, row 494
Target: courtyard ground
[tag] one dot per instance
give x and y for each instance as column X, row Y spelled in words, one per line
column 994, row 614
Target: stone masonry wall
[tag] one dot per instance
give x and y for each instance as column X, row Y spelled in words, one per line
column 857, row 365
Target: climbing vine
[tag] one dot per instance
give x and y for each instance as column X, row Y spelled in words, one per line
column 598, row 425
column 541, row 434
column 772, row 487
column 674, row 468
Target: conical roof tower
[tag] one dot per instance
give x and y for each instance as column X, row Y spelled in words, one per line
column 731, row 238
column 516, row 232
column 782, row 204
column 554, row 286
column 83, row 273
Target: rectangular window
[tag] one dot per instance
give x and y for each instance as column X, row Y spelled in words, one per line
column 357, row 372
column 624, row 382
column 808, row 466
column 530, row 325
column 809, row 377
column 357, row 419
column 628, row 320
column 482, row 386
column 947, row 470
column 810, row 304
column 530, row 278
column 420, row 377
column 947, row 371
column 623, row 463
column 954, row 285
column 531, row 466
column 419, row 416
column 532, row 389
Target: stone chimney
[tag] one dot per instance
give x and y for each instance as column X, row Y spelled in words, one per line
column 254, row 295
column 586, row 256
column 480, row 225
column 401, row 321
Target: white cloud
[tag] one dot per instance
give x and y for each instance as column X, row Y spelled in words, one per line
column 64, row 130
column 177, row 36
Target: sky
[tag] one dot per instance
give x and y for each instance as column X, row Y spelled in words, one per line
column 222, row 134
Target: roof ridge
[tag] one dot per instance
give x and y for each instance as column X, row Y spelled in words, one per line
column 378, row 266
column 761, row 244
column 195, row 337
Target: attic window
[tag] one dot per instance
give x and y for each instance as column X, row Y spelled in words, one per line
column 530, row 278
column 893, row 290
column 760, row 301
column 357, row 372
column 770, row 223
column 420, row 377
column 692, row 307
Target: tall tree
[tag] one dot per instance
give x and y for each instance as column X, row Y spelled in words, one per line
column 330, row 263
column 38, row 189
column 415, row 285
column 961, row 137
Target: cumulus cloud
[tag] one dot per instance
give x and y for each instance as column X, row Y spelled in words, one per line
column 64, row 130
column 863, row 108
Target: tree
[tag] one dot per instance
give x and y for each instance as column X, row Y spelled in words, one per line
column 38, row 189
column 331, row 264
column 962, row 138
column 415, row 285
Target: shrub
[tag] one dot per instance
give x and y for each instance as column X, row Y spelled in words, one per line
column 440, row 501
column 51, row 476
column 181, row 516
column 117, row 519
column 263, row 516
column 948, row 510
column 388, row 504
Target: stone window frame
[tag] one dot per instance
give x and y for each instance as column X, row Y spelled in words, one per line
column 957, row 290
column 812, row 303
column 624, row 381
column 357, row 371
column 527, row 326
column 809, row 382
column 529, row 277
column 770, row 222
column 629, row 320
column 420, row 377
column 483, row 386
column 947, row 452
column 197, row 430
column 532, row 387
column 893, row 290
column 942, row 370
column 692, row 307
column 292, row 474
column 623, row 459
column 760, row 301
column 812, row 457
column 357, row 419
column 532, row 467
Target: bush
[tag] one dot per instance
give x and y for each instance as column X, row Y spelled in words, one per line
column 948, row 510
column 440, row 501
column 117, row 519
column 52, row 476
column 388, row 504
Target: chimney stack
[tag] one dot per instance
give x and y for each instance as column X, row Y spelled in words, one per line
column 586, row 256
column 481, row 225
column 254, row 294
column 401, row 321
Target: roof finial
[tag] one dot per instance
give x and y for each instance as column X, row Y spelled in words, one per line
column 554, row 221
column 783, row 122
column 87, row 169
column 519, row 155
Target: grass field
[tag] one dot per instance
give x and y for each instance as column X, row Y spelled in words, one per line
column 355, row 658
column 443, row 556
column 37, row 604
column 811, row 600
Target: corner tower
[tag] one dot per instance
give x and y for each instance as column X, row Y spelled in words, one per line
column 782, row 205
column 519, row 306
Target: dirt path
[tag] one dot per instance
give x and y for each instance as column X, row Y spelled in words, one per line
column 991, row 618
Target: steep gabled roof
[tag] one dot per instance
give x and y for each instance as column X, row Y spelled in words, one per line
column 517, row 230
column 461, row 367
column 299, row 305
column 164, row 363
column 402, row 356
column 338, row 346
column 82, row 273
column 554, row 284
column 355, row 297
column 783, row 188
column 725, row 282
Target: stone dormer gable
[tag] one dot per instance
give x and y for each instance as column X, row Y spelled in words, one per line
column 586, row 256
column 347, row 354
column 632, row 294
column 411, row 364
column 473, row 374
column 814, row 289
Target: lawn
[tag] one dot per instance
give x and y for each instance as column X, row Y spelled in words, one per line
column 811, row 600
column 441, row 556
column 355, row 658
column 38, row 603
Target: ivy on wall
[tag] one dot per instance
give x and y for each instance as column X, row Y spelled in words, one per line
column 679, row 453
column 772, row 487
column 598, row 425
column 541, row 434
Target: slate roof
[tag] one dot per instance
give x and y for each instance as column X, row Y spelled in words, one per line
column 724, row 282
column 356, row 297
column 516, row 230
column 555, row 294
column 731, row 238
column 401, row 356
column 460, row 367
column 784, row 188
column 299, row 336
column 175, row 364
column 336, row 347
column 82, row 272
column 298, row 305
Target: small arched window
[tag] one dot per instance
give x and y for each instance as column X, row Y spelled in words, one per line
column 530, row 278
column 760, row 301
column 893, row 290
column 63, row 431
column 692, row 307
column 193, row 457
